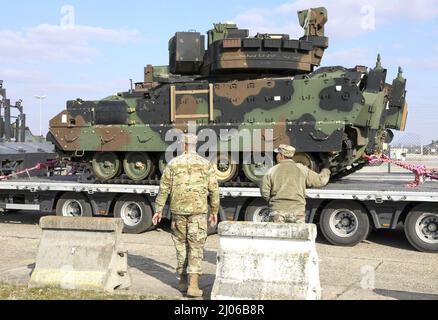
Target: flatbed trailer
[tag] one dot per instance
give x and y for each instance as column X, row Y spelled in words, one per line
column 346, row 211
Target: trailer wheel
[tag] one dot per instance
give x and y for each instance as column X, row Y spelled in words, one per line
column 72, row 204
column 257, row 211
column 421, row 228
column 344, row 223
column 136, row 213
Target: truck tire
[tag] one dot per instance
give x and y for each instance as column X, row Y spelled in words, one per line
column 136, row 213
column 344, row 223
column 257, row 211
column 421, row 228
column 73, row 204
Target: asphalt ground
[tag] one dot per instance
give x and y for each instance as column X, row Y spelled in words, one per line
column 383, row 267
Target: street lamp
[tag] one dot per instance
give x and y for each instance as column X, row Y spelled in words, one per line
column 41, row 98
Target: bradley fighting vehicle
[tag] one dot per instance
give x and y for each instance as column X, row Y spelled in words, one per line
column 268, row 81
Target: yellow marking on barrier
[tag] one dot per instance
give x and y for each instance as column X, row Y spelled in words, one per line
column 80, row 279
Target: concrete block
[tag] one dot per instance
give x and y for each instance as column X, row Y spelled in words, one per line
column 267, row 261
column 81, row 253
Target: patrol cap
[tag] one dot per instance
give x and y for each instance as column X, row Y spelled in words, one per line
column 189, row 138
column 285, row 150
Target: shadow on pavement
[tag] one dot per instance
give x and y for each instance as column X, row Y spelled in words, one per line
column 386, row 237
column 392, row 238
column 161, row 271
column 406, row 295
column 210, row 256
column 21, row 217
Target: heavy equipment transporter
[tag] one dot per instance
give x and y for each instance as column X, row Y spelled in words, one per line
column 346, row 211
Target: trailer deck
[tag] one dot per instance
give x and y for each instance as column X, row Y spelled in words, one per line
column 358, row 187
column 346, row 211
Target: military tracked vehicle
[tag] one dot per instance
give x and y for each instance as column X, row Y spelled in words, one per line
column 332, row 115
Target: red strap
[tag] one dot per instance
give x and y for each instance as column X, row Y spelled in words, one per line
column 420, row 171
column 38, row 166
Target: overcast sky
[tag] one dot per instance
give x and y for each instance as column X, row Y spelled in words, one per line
column 90, row 49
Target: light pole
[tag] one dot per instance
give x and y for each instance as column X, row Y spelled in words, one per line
column 41, row 98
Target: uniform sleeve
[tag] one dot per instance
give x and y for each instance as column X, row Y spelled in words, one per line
column 317, row 180
column 265, row 188
column 165, row 189
column 213, row 191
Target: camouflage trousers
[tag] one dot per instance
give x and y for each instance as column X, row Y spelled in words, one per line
column 189, row 233
column 287, row 217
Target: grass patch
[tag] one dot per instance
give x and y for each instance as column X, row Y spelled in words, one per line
column 10, row 292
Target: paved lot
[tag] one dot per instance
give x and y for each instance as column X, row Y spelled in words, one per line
column 346, row 273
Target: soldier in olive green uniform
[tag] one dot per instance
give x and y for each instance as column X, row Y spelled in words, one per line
column 284, row 186
column 189, row 180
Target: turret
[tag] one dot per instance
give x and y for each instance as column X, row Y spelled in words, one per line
column 231, row 50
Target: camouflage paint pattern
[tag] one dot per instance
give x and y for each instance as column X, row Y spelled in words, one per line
column 188, row 180
column 189, row 233
column 332, row 113
column 287, row 217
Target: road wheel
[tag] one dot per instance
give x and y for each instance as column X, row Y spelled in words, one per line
column 136, row 213
column 306, row 159
column 138, row 165
column 106, row 165
column 421, row 228
column 344, row 223
column 225, row 169
column 255, row 171
column 72, row 204
column 257, row 211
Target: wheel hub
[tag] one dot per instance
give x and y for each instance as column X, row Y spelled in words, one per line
column 139, row 165
column 262, row 215
column 72, row 208
column 223, row 166
column 107, row 164
column 131, row 213
column 427, row 228
column 343, row 222
column 432, row 227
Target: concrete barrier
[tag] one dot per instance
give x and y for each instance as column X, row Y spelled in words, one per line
column 81, row 253
column 267, row 261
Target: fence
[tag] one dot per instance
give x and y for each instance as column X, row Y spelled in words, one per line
column 410, row 148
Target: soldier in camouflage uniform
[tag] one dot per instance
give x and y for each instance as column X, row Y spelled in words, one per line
column 189, row 180
column 284, row 186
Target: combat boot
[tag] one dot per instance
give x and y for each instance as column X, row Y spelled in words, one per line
column 182, row 284
column 193, row 290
